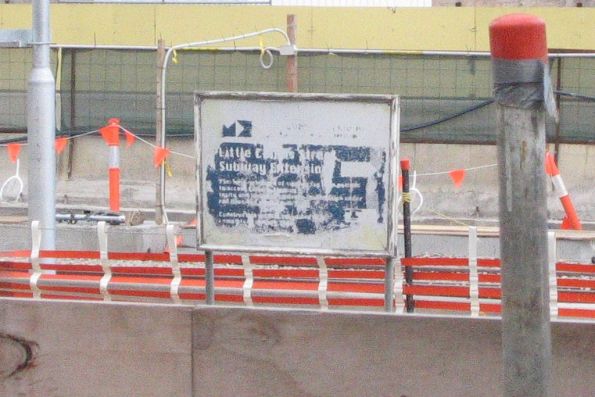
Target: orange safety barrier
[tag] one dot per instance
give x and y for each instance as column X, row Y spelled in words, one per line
column 439, row 284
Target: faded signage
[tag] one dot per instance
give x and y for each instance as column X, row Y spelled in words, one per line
column 309, row 174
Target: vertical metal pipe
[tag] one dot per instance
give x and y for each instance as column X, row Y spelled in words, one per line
column 558, row 88
column 41, row 129
column 389, row 284
column 159, row 116
column 209, row 278
column 72, row 110
column 405, row 165
column 292, row 62
column 519, row 63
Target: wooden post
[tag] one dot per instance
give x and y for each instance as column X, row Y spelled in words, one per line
column 519, row 65
column 72, row 111
column 158, row 123
column 292, row 62
column 558, row 98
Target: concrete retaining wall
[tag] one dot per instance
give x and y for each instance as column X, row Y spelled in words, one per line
column 151, row 238
column 100, row 349
column 476, row 199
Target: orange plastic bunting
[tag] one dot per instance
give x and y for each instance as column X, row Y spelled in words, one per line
column 566, row 224
column 457, row 177
column 400, row 182
column 60, row 144
column 159, row 156
column 130, row 138
column 14, row 149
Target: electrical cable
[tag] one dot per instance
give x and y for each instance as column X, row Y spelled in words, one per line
column 447, row 118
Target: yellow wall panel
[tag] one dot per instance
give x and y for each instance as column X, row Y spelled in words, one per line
column 409, row 29
column 187, row 23
column 104, row 24
column 403, row 29
column 15, row 16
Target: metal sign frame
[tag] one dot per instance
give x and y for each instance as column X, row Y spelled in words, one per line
column 393, row 134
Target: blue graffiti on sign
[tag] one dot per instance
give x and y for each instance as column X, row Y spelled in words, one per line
column 303, row 189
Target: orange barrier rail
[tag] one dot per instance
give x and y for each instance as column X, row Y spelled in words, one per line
column 439, row 284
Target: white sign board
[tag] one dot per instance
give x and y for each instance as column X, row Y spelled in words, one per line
column 301, row 173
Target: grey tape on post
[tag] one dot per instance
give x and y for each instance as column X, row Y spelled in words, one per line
column 524, row 84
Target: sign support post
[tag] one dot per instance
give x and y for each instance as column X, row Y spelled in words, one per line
column 297, row 174
column 209, row 278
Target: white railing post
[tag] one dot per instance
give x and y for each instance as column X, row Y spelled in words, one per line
column 248, row 280
column 35, row 265
column 473, row 276
column 398, row 287
column 103, row 261
column 553, row 278
column 322, row 283
column 172, row 246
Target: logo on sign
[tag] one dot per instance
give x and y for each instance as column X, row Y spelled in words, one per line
column 239, row 128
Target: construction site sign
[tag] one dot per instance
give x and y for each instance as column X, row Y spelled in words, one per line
column 300, row 173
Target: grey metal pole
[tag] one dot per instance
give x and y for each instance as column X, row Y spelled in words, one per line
column 519, row 70
column 41, row 129
column 389, row 284
column 209, row 278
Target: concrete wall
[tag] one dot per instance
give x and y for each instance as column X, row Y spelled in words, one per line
column 149, row 238
column 97, row 349
column 477, row 199
column 478, row 196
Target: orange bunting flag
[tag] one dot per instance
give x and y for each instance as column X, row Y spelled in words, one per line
column 60, row 144
column 130, row 138
column 14, row 149
column 180, row 238
column 400, row 182
column 159, row 156
column 566, row 224
column 457, row 177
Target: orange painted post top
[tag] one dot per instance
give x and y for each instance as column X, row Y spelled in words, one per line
column 405, row 164
column 518, row 37
column 111, row 132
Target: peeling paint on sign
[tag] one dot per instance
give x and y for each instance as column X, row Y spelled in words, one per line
column 266, row 194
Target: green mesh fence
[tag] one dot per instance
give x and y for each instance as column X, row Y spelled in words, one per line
column 444, row 99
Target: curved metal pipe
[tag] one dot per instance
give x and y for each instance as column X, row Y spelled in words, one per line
column 162, row 105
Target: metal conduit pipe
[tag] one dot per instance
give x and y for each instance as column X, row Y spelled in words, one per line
column 162, row 105
column 355, row 51
column 41, row 128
